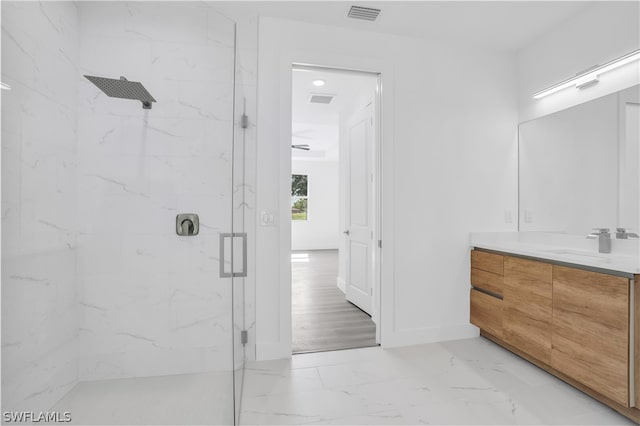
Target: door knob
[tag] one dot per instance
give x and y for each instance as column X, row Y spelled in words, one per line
column 346, row 232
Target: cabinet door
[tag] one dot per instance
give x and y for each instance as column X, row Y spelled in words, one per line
column 486, row 313
column 528, row 306
column 591, row 330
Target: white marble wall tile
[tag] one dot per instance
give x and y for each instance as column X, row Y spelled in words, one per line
column 44, row 382
column 192, row 62
column 40, row 314
column 166, row 310
column 91, row 187
column 218, row 26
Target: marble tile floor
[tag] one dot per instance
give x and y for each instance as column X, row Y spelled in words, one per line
column 185, row 399
column 472, row 382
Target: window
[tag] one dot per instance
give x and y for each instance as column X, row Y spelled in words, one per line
column 299, row 197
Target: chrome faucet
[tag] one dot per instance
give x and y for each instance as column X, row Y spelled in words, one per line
column 622, row 234
column 604, row 239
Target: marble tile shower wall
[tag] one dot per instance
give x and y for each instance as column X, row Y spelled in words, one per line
column 40, row 311
column 152, row 302
column 95, row 283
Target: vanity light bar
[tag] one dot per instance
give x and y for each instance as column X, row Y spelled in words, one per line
column 4, row 86
column 589, row 77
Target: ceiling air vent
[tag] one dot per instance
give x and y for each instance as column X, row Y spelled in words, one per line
column 366, row 13
column 321, row 99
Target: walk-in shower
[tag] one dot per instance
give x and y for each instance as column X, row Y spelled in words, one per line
column 108, row 315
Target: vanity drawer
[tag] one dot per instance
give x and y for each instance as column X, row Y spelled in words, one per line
column 488, row 262
column 487, row 280
column 486, row 312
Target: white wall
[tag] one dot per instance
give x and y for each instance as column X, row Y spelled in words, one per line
column 320, row 230
column 40, row 312
column 602, row 32
column 449, row 167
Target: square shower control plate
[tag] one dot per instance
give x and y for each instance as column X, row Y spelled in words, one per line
column 187, row 224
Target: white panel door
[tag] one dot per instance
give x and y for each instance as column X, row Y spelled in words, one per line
column 359, row 214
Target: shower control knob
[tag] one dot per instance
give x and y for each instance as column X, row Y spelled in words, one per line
column 187, row 224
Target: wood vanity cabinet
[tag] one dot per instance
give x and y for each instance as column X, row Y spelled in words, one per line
column 572, row 322
column 527, row 310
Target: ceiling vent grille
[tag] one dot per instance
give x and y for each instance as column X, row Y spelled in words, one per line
column 365, row 13
column 321, row 99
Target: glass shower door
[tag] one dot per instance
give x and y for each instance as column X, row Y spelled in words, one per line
column 116, row 308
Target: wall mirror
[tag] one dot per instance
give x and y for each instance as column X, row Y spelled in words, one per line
column 579, row 167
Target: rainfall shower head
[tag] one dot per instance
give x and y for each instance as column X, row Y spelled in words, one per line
column 124, row 89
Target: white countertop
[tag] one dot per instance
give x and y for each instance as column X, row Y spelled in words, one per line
column 574, row 249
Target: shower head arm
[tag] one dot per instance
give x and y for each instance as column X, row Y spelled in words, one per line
column 145, row 104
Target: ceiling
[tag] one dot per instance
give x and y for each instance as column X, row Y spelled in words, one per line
column 496, row 25
column 317, row 125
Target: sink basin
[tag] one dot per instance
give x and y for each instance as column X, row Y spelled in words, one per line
column 580, row 253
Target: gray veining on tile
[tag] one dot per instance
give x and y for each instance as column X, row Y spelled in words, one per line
column 469, row 382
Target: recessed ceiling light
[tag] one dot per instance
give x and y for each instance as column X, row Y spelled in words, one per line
column 318, row 83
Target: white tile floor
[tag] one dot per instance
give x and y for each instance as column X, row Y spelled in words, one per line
column 469, row 381
column 186, row 399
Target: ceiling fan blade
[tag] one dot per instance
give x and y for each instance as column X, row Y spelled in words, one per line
column 303, row 147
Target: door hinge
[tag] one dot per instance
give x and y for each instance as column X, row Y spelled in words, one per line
column 244, row 121
column 379, row 243
column 244, row 337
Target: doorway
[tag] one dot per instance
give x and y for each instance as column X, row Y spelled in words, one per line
column 334, row 209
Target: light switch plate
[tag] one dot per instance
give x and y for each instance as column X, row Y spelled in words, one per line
column 508, row 216
column 267, row 218
column 528, row 217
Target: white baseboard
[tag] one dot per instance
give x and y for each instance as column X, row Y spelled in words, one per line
column 342, row 285
column 419, row 336
column 272, row 350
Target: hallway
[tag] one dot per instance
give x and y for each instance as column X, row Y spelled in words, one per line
column 322, row 318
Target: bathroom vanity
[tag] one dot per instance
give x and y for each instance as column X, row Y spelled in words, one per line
column 569, row 310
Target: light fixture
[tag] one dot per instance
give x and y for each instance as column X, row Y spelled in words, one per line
column 589, row 77
column 4, row 86
column 318, row 83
